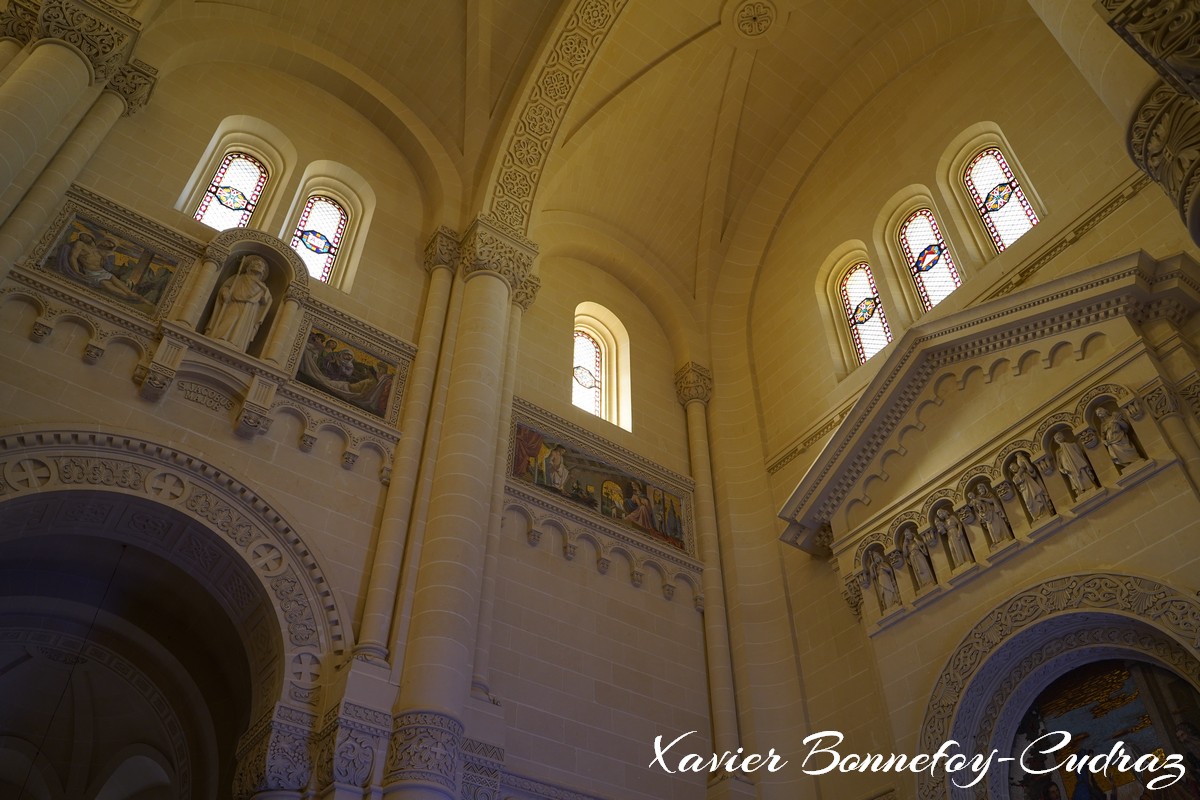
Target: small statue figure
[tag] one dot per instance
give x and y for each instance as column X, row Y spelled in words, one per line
column 1029, row 484
column 1071, row 461
column 916, row 553
column 885, row 580
column 1114, row 430
column 949, row 524
column 242, row 304
column 990, row 511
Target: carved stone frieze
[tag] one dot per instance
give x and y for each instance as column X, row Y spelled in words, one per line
column 19, row 20
column 531, row 139
column 345, row 755
column 424, row 747
column 1160, row 399
column 1165, row 33
column 442, row 249
column 134, row 82
column 483, row 769
column 103, row 34
column 693, row 382
column 487, row 247
column 1164, row 141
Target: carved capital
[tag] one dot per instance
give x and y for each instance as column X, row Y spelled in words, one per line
column 524, row 294
column 442, row 249
column 1164, row 141
column 693, row 383
column 134, row 82
column 273, row 757
column 489, row 247
column 345, row 756
column 1160, row 399
column 104, row 35
column 19, row 21
column 425, row 748
column 1165, row 33
column 156, row 381
column 852, row 594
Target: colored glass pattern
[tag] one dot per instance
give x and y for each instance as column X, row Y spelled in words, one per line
column 233, row 192
column 864, row 312
column 929, row 261
column 587, row 369
column 1002, row 205
column 319, row 234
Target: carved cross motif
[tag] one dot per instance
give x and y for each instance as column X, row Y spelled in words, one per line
column 306, row 668
column 29, row 473
column 266, row 557
column 167, row 486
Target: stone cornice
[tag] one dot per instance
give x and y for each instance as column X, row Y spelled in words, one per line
column 1135, row 286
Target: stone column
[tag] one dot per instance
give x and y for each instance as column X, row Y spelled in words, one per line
column 1164, row 406
column 284, row 330
column 693, row 387
column 127, row 93
column 523, row 297
column 201, row 282
column 441, row 257
column 79, row 42
column 424, row 753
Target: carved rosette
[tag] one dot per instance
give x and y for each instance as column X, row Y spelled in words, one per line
column 425, row 748
column 487, row 247
column 1165, row 33
column 1164, row 141
column 693, row 383
column 134, row 82
column 19, row 21
column 524, row 294
column 103, row 34
column 442, row 249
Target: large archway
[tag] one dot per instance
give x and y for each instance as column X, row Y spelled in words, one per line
column 1038, row 635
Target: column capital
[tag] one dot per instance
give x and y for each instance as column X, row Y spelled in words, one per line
column 103, row 34
column 524, row 294
column 693, row 383
column 1160, row 398
column 1165, row 33
column 442, row 249
column 425, row 748
column 1164, row 141
column 19, row 21
column 133, row 82
column 490, row 246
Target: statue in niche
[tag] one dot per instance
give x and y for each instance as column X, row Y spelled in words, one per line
column 916, row 553
column 949, row 525
column 885, row 581
column 1116, row 433
column 1029, row 484
column 990, row 511
column 1071, row 461
column 242, row 304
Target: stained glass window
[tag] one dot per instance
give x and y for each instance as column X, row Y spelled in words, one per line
column 929, row 260
column 319, row 233
column 864, row 312
column 1003, row 207
column 585, row 376
column 233, row 192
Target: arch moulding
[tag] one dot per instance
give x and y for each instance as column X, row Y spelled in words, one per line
column 1035, row 636
column 40, row 461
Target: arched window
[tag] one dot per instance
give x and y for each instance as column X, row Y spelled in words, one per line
column 864, row 312
column 318, row 235
column 929, row 261
column 587, row 387
column 600, row 382
column 233, row 192
column 999, row 200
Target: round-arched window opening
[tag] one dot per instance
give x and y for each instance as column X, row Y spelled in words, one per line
column 1094, row 715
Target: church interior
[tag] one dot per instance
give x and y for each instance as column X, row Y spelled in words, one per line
column 440, row 399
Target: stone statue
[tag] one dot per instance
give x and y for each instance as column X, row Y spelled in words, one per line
column 242, row 304
column 990, row 511
column 916, row 553
column 1071, row 461
column 949, row 524
column 1115, row 430
column 885, row 580
column 1029, row 484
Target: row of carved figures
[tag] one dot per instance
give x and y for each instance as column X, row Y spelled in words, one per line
column 989, row 506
